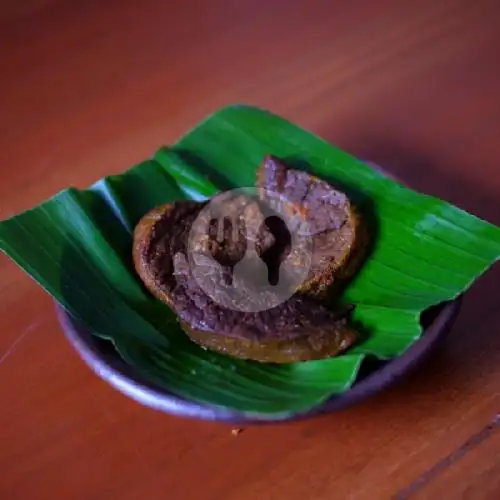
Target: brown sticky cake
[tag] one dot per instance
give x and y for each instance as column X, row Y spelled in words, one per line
column 296, row 330
column 325, row 215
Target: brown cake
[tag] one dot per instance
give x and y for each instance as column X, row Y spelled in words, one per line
column 295, row 330
column 326, row 216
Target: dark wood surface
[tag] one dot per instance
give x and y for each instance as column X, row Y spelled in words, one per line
column 89, row 88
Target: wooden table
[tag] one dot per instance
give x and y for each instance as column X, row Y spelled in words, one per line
column 88, row 88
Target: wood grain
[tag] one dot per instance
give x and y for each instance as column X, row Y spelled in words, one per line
column 89, row 88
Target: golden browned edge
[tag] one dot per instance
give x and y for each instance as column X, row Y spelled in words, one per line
column 141, row 241
column 320, row 286
column 259, row 177
column 359, row 247
column 305, row 348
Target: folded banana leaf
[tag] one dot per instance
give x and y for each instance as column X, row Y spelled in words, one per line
column 77, row 246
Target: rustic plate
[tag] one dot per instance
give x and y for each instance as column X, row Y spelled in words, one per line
column 374, row 376
column 77, row 246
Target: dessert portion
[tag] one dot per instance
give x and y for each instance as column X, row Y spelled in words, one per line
column 189, row 255
column 327, row 217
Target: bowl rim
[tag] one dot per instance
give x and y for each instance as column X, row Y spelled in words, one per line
column 123, row 377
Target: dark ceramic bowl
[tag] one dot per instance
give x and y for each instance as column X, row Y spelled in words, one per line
column 374, row 375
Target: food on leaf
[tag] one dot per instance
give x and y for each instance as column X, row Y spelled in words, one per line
column 77, row 247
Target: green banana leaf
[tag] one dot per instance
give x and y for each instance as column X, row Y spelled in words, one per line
column 77, row 246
